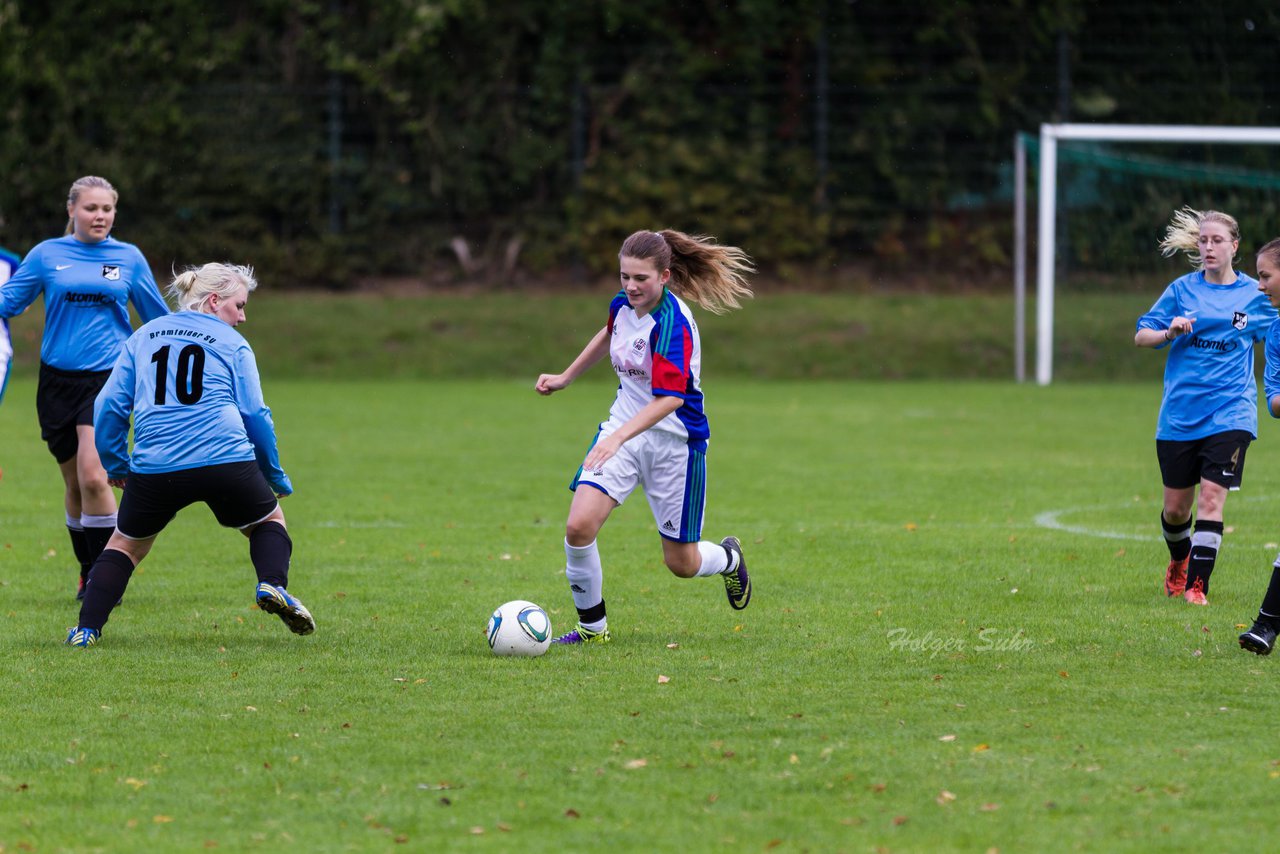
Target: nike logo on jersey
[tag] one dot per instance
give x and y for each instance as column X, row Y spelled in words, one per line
column 61, row 266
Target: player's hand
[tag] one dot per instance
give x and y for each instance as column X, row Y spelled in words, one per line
column 601, row 452
column 549, row 383
column 1180, row 326
column 117, row 482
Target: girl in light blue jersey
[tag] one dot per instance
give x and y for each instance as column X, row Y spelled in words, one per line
column 1210, row 319
column 87, row 278
column 201, row 432
column 656, row 434
column 1261, row 636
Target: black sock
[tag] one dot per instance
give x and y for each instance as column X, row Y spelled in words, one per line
column 107, row 581
column 594, row 614
column 1270, row 609
column 96, row 538
column 1177, row 538
column 80, row 545
column 270, row 549
column 1204, row 551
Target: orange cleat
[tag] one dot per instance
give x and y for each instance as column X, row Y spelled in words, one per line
column 1195, row 594
column 1175, row 577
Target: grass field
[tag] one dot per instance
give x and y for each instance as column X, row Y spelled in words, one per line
column 957, row 642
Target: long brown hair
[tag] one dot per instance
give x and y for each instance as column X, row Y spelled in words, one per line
column 711, row 275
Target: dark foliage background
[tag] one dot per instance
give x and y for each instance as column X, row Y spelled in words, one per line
column 328, row 141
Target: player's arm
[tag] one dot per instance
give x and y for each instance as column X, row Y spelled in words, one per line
column 23, row 286
column 1271, row 372
column 1163, row 322
column 652, row 412
column 595, row 350
column 145, row 294
column 257, row 422
column 111, row 412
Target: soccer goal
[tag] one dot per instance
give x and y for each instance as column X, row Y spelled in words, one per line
column 1048, row 203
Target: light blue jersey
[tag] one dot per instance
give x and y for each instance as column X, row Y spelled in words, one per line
column 1208, row 378
column 87, row 288
column 1271, row 376
column 191, row 382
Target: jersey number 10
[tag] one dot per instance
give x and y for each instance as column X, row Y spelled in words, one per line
column 189, row 375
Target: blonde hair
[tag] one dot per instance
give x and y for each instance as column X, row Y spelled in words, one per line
column 1271, row 249
column 711, row 275
column 192, row 287
column 1183, row 233
column 88, row 182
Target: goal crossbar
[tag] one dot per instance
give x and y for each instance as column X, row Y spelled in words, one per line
column 1047, row 208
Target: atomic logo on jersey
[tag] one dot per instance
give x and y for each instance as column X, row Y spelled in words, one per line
column 111, row 272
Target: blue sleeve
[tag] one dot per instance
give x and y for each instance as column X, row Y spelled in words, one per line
column 1160, row 315
column 1271, row 371
column 111, row 413
column 26, row 283
column 145, row 294
column 257, row 421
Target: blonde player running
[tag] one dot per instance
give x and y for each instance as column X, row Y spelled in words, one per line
column 656, row 434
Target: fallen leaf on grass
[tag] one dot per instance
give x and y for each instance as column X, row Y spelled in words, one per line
column 162, row 819
column 136, row 783
column 899, row 820
column 946, row 738
column 981, row 747
column 945, row 797
column 663, row 680
column 673, row 646
column 635, row 763
column 989, row 807
column 1064, row 674
column 572, row 813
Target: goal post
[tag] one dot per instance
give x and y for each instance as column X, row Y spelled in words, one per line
column 1046, row 224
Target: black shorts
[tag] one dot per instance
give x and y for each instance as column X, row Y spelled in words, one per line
column 63, row 400
column 1218, row 458
column 237, row 493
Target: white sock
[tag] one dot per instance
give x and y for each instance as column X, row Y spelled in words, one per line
column 98, row 521
column 586, row 576
column 73, row 522
column 715, row 559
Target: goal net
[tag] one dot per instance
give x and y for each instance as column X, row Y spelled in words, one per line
column 1105, row 195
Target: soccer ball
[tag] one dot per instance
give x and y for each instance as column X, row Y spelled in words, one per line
column 519, row 628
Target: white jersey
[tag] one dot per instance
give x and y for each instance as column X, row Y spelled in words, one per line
column 658, row 354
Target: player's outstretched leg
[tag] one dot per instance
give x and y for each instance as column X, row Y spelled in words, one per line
column 278, row 601
column 737, row 583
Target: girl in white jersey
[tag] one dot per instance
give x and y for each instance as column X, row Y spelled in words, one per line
column 656, row 434
column 1210, row 319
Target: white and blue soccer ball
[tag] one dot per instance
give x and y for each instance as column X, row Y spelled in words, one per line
column 519, row 628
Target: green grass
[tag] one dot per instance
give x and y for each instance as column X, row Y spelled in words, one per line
column 925, row 666
column 775, row 336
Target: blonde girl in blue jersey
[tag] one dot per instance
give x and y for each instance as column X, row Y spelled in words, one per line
column 1209, row 319
column 201, row 433
column 656, row 434
column 87, row 279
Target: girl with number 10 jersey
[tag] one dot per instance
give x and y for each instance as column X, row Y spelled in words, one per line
column 202, row 433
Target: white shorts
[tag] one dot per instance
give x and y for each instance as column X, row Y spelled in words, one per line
column 672, row 471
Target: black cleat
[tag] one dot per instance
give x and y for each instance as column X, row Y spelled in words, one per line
column 737, row 584
column 1260, row 638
